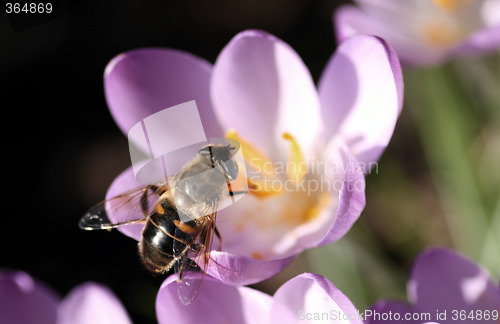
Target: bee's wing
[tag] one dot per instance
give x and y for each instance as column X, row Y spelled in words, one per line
column 190, row 277
column 130, row 207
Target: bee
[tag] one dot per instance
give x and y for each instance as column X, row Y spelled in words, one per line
column 179, row 216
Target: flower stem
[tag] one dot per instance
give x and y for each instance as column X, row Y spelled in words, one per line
column 445, row 125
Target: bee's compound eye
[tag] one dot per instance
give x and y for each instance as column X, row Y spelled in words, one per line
column 206, row 150
column 231, row 169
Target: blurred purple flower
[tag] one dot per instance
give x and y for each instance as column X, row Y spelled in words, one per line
column 425, row 32
column 260, row 92
column 24, row 300
column 303, row 299
column 446, row 284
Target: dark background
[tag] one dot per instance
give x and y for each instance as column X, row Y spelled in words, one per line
column 61, row 146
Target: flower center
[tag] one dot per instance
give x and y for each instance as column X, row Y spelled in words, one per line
column 283, row 197
column 267, row 176
column 448, row 24
column 440, row 33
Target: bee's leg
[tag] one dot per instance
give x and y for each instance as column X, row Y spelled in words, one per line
column 196, row 247
column 211, row 156
column 214, row 226
column 183, row 262
column 241, row 192
column 144, row 202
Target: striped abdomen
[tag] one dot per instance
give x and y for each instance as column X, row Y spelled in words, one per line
column 162, row 233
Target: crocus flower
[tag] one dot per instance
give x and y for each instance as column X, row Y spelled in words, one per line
column 24, row 300
column 425, row 32
column 445, row 287
column 307, row 298
column 260, row 93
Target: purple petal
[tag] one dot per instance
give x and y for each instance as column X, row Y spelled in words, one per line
column 124, row 182
column 444, row 280
column 351, row 202
column 361, row 93
column 350, row 21
column 309, row 294
column 261, row 88
column 92, row 303
column 483, row 41
column 380, row 312
column 240, row 270
column 144, row 81
column 392, row 24
column 216, row 303
column 248, row 228
column 26, row 301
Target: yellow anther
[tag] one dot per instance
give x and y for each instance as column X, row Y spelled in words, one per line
column 255, row 158
column 297, row 167
column 259, row 186
column 264, row 188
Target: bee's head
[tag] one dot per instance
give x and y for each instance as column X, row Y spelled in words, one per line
column 221, row 155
